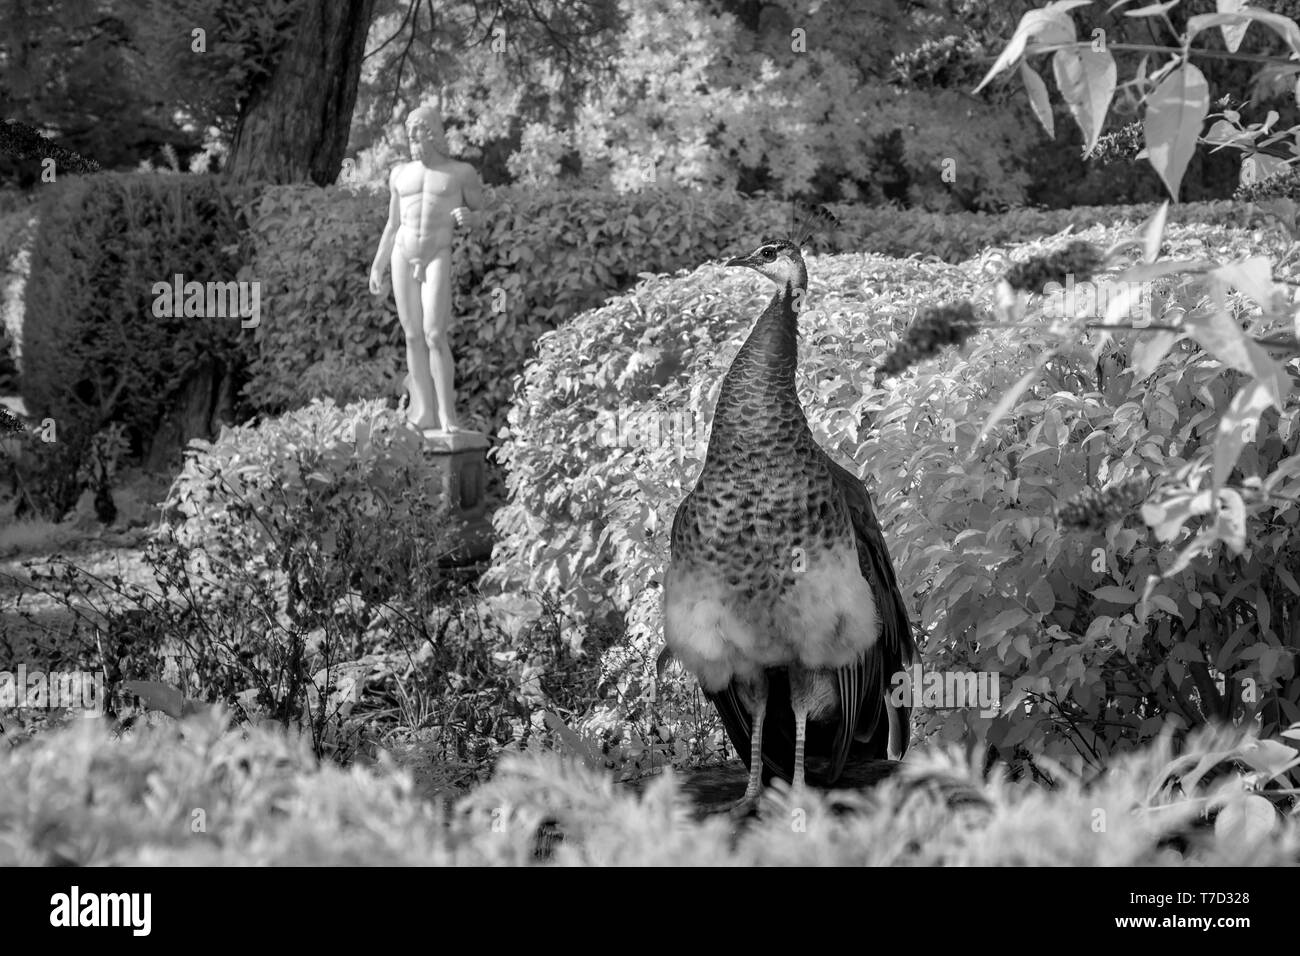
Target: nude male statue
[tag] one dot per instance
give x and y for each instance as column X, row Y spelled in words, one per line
column 428, row 197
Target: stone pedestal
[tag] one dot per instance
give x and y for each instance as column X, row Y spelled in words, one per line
column 457, row 463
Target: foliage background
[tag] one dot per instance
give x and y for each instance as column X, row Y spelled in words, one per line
column 592, row 93
column 1088, row 666
column 651, row 108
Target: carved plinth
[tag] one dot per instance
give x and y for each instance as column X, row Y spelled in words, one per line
column 457, row 468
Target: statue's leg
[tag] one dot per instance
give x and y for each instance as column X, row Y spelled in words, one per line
column 422, row 410
column 436, row 299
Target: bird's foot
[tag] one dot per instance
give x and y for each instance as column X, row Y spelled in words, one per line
column 745, row 807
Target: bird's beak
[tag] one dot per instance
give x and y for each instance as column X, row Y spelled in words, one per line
column 738, row 261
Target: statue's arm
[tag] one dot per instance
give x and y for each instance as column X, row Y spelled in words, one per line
column 385, row 251
column 472, row 188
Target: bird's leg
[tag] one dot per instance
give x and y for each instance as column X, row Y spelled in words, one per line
column 757, row 711
column 803, row 701
column 800, row 733
column 756, row 746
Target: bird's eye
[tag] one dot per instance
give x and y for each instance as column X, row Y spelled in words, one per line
column 769, row 254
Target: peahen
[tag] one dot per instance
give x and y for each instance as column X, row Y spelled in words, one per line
column 780, row 595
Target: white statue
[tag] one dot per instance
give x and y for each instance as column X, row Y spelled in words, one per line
column 429, row 197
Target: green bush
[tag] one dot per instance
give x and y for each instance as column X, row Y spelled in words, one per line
column 297, row 577
column 1094, row 658
column 199, row 795
column 93, row 350
column 47, row 477
column 345, row 483
column 281, row 541
column 996, row 583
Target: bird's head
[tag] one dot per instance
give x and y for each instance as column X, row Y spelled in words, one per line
column 779, row 260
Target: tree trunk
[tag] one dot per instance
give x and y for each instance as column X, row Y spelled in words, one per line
column 294, row 125
column 187, row 417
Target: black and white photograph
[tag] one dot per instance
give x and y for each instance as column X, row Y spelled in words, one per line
column 557, row 434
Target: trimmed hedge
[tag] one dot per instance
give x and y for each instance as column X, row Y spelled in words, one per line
column 539, row 258
column 93, row 350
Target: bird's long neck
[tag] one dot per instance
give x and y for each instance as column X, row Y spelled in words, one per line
column 758, row 391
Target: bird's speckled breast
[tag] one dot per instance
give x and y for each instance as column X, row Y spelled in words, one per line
column 765, row 568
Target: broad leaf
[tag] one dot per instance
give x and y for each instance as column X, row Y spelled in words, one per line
column 1257, row 167
column 1086, row 80
column 1283, row 26
column 1049, row 25
column 1252, row 276
column 1242, row 416
column 1153, row 233
column 1231, row 526
column 1149, row 350
column 1001, row 623
column 1152, row 10
column 1219, row 335
column 1011, row 397
column 576, row 746
column 1038, row 100
column 1114, row 594
column 1175, row 112
column 1222, row 133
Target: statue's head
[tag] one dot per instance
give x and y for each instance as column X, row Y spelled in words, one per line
column 424, row 126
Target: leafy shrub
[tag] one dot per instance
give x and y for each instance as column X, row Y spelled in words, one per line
column 297, row 578
column 431, row 672
column 1107, row 633
column 1087, row 660
column 79, row 797
column 342, row 483
column 144, row 787
column 47, row 477
column 1219, row 800
column 93, row 350
column 322, row 516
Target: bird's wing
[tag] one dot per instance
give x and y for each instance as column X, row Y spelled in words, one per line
column 674, row 535
column 865, row 687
